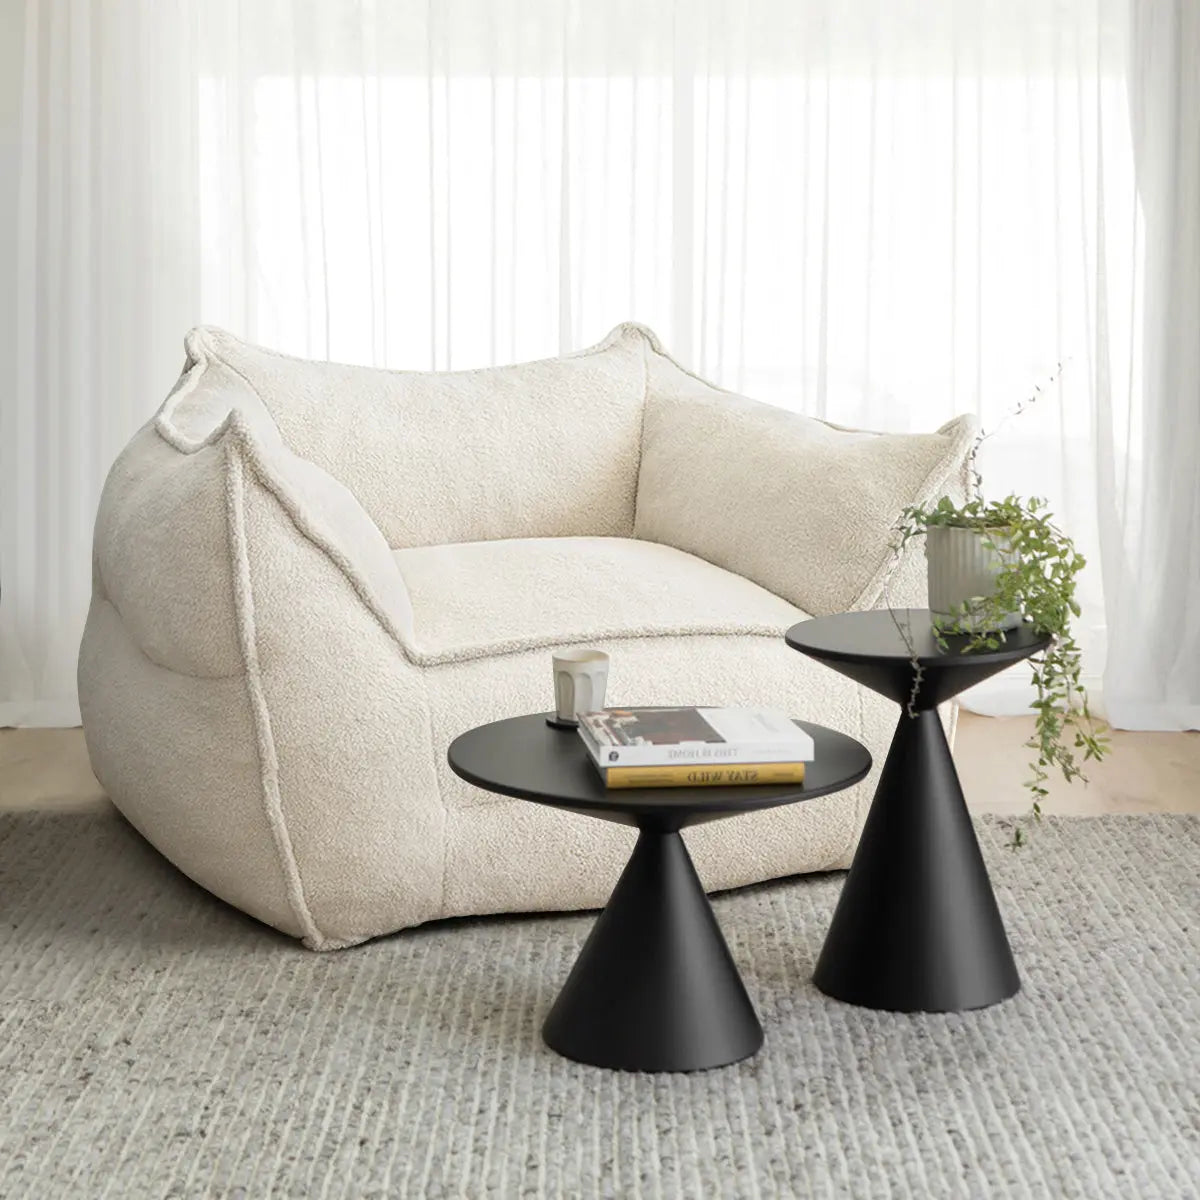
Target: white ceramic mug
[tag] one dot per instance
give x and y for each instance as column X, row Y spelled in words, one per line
column 580, row 677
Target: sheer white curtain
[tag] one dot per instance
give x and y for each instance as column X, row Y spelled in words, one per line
column 1152, row 556
column 879, row 213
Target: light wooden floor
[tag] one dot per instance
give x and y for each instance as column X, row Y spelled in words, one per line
column 1146, row 772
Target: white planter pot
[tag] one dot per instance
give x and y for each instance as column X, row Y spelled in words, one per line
column 963, row 570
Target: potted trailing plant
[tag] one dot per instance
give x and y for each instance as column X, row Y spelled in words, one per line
column 966, row 549
column 992, row 566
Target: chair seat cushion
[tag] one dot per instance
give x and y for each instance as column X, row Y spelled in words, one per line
column 483, row 598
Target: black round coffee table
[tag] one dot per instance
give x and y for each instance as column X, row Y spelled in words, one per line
column 655, row 987
column 916, row 928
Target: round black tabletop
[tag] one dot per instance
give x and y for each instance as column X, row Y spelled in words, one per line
column 879, row 635
column 526, row 758
column 876, row 648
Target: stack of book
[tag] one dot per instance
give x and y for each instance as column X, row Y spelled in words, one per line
column 694, row 747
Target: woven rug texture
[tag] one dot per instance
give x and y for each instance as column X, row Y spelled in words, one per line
column 156, row 1043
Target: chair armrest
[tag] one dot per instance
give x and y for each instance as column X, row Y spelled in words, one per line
column 248, row 613
column 163, row 552
column 326, row 514
column 214, row 405
column 340, row 712
column 802, row 507
column 901, row 582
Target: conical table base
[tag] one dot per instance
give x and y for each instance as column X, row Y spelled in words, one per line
column 655, row 987
column 917, row 928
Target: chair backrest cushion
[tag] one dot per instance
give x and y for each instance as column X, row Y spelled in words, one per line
column 540, row 449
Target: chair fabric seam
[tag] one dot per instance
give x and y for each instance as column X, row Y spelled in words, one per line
column 243, row 599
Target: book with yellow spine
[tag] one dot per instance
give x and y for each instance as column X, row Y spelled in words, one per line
column 703, row 775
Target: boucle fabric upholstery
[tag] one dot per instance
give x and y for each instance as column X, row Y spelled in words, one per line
column 308, row 579
column 544, row 449
column 587, row 589
column 815, row 502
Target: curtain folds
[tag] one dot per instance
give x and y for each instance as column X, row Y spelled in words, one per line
column 881, row 214
column 1152, row 561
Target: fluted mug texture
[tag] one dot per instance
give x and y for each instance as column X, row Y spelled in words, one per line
column 962, row 570
column 580, row 680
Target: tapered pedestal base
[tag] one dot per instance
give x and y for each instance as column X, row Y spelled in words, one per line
column 917, row 927
column 655, row 987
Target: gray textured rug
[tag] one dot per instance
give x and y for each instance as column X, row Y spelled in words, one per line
column 156, row 1043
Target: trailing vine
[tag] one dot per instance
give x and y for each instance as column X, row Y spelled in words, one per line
column 1037, row 566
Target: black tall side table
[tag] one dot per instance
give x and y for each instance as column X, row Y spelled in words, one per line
column 655, row 987
column 916, row 928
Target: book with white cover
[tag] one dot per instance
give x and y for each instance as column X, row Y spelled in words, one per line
column 655, row 737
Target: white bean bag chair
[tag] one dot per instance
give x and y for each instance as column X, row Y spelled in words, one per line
column 309, row 578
